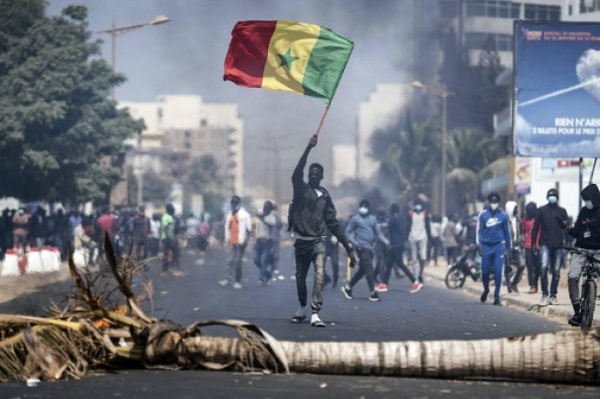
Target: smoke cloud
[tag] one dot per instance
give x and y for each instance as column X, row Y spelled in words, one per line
column 186, row 55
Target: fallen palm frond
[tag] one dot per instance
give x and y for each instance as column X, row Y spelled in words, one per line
column 98, row 328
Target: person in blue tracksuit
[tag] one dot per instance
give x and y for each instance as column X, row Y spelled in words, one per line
column 495, row 241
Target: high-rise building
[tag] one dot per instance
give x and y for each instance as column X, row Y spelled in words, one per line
column 474, row 20
column 187, row 128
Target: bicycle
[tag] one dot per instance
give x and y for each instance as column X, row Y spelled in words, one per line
column 589, row 275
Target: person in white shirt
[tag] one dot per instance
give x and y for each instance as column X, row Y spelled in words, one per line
column 418, row 226
column 237, row 229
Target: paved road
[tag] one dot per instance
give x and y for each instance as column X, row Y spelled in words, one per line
column 434, row 313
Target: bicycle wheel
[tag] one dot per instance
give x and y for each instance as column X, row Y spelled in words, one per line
column 455, row 278
column 589, row 305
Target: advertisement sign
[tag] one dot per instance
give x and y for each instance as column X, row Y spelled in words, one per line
column 557, row 89
column 522, row 175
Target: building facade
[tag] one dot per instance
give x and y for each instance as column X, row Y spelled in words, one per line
column 180, row 128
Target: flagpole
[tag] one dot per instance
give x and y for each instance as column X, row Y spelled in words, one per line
column 321, row 122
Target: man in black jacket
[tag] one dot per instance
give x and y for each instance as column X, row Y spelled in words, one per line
column 398, row 235
column 312, row 213
column 587, row 232
column 551, row 242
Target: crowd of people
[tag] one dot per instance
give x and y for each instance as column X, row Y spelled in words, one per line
column 128, row 230
column 403, row 241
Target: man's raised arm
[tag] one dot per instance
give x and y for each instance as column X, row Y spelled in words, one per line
column 299, row 171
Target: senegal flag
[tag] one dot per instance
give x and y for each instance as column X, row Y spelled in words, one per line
column 287, row 56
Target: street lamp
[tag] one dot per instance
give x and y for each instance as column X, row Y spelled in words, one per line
column 121, row 188
column 441, row 92
column 116, row 31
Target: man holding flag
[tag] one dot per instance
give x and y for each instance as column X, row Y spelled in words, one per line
column 304, row 59
column 312, row 212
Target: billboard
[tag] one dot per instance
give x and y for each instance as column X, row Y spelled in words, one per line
column 557, row 89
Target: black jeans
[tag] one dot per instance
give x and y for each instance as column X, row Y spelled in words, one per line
column 171, row 254
column 307, row 252
column 395, row 257
column 533, row 267
column 365, row 268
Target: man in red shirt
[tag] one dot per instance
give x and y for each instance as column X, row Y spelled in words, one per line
column 106, row 223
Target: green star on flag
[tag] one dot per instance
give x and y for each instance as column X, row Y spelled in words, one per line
column 287, row 58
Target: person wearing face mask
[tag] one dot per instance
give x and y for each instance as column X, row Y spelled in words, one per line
column 310, row 215
column 237, row 229
column 494, row 239
column 363, row 231
column 551, row 243
column 418, row 231
column 586, row 230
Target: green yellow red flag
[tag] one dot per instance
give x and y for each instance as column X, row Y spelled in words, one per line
column 287, row 56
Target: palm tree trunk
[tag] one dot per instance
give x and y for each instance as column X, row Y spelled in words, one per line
column 562, row 357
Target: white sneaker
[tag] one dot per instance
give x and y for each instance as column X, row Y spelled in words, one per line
column 315, row 321
column 544, row 300
column 552, row 300
column 224, row 283
column 237, row 286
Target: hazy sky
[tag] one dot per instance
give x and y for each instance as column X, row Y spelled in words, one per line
column 186, row 56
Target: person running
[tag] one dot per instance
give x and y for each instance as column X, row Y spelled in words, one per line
column 396, row 235
column 237, row 230
column 363, row 231
column 587, row 232
column 494, row 239
column 311, row 214
column 380, row 252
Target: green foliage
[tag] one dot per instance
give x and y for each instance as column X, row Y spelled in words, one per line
column 409, row 154
column 56, row 120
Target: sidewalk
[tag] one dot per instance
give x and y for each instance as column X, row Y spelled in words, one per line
column 523, row 300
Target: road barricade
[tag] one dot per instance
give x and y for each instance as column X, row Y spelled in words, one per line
column 51, row 259
column 33, row 262
column 10, row 265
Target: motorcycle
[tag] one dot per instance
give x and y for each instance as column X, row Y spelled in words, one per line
column 467, row 265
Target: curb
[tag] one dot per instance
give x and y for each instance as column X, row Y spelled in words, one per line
column 548, row 311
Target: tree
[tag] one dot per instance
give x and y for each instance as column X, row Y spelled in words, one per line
column 469, row 152
column 56, row 118
column 409, row 155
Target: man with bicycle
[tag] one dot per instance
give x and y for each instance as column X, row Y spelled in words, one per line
column 586, row 231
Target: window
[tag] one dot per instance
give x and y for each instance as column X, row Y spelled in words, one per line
column 203, row 122
column 492, row 9
column 160, row 113
column 589, row 6
column 541, row 13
